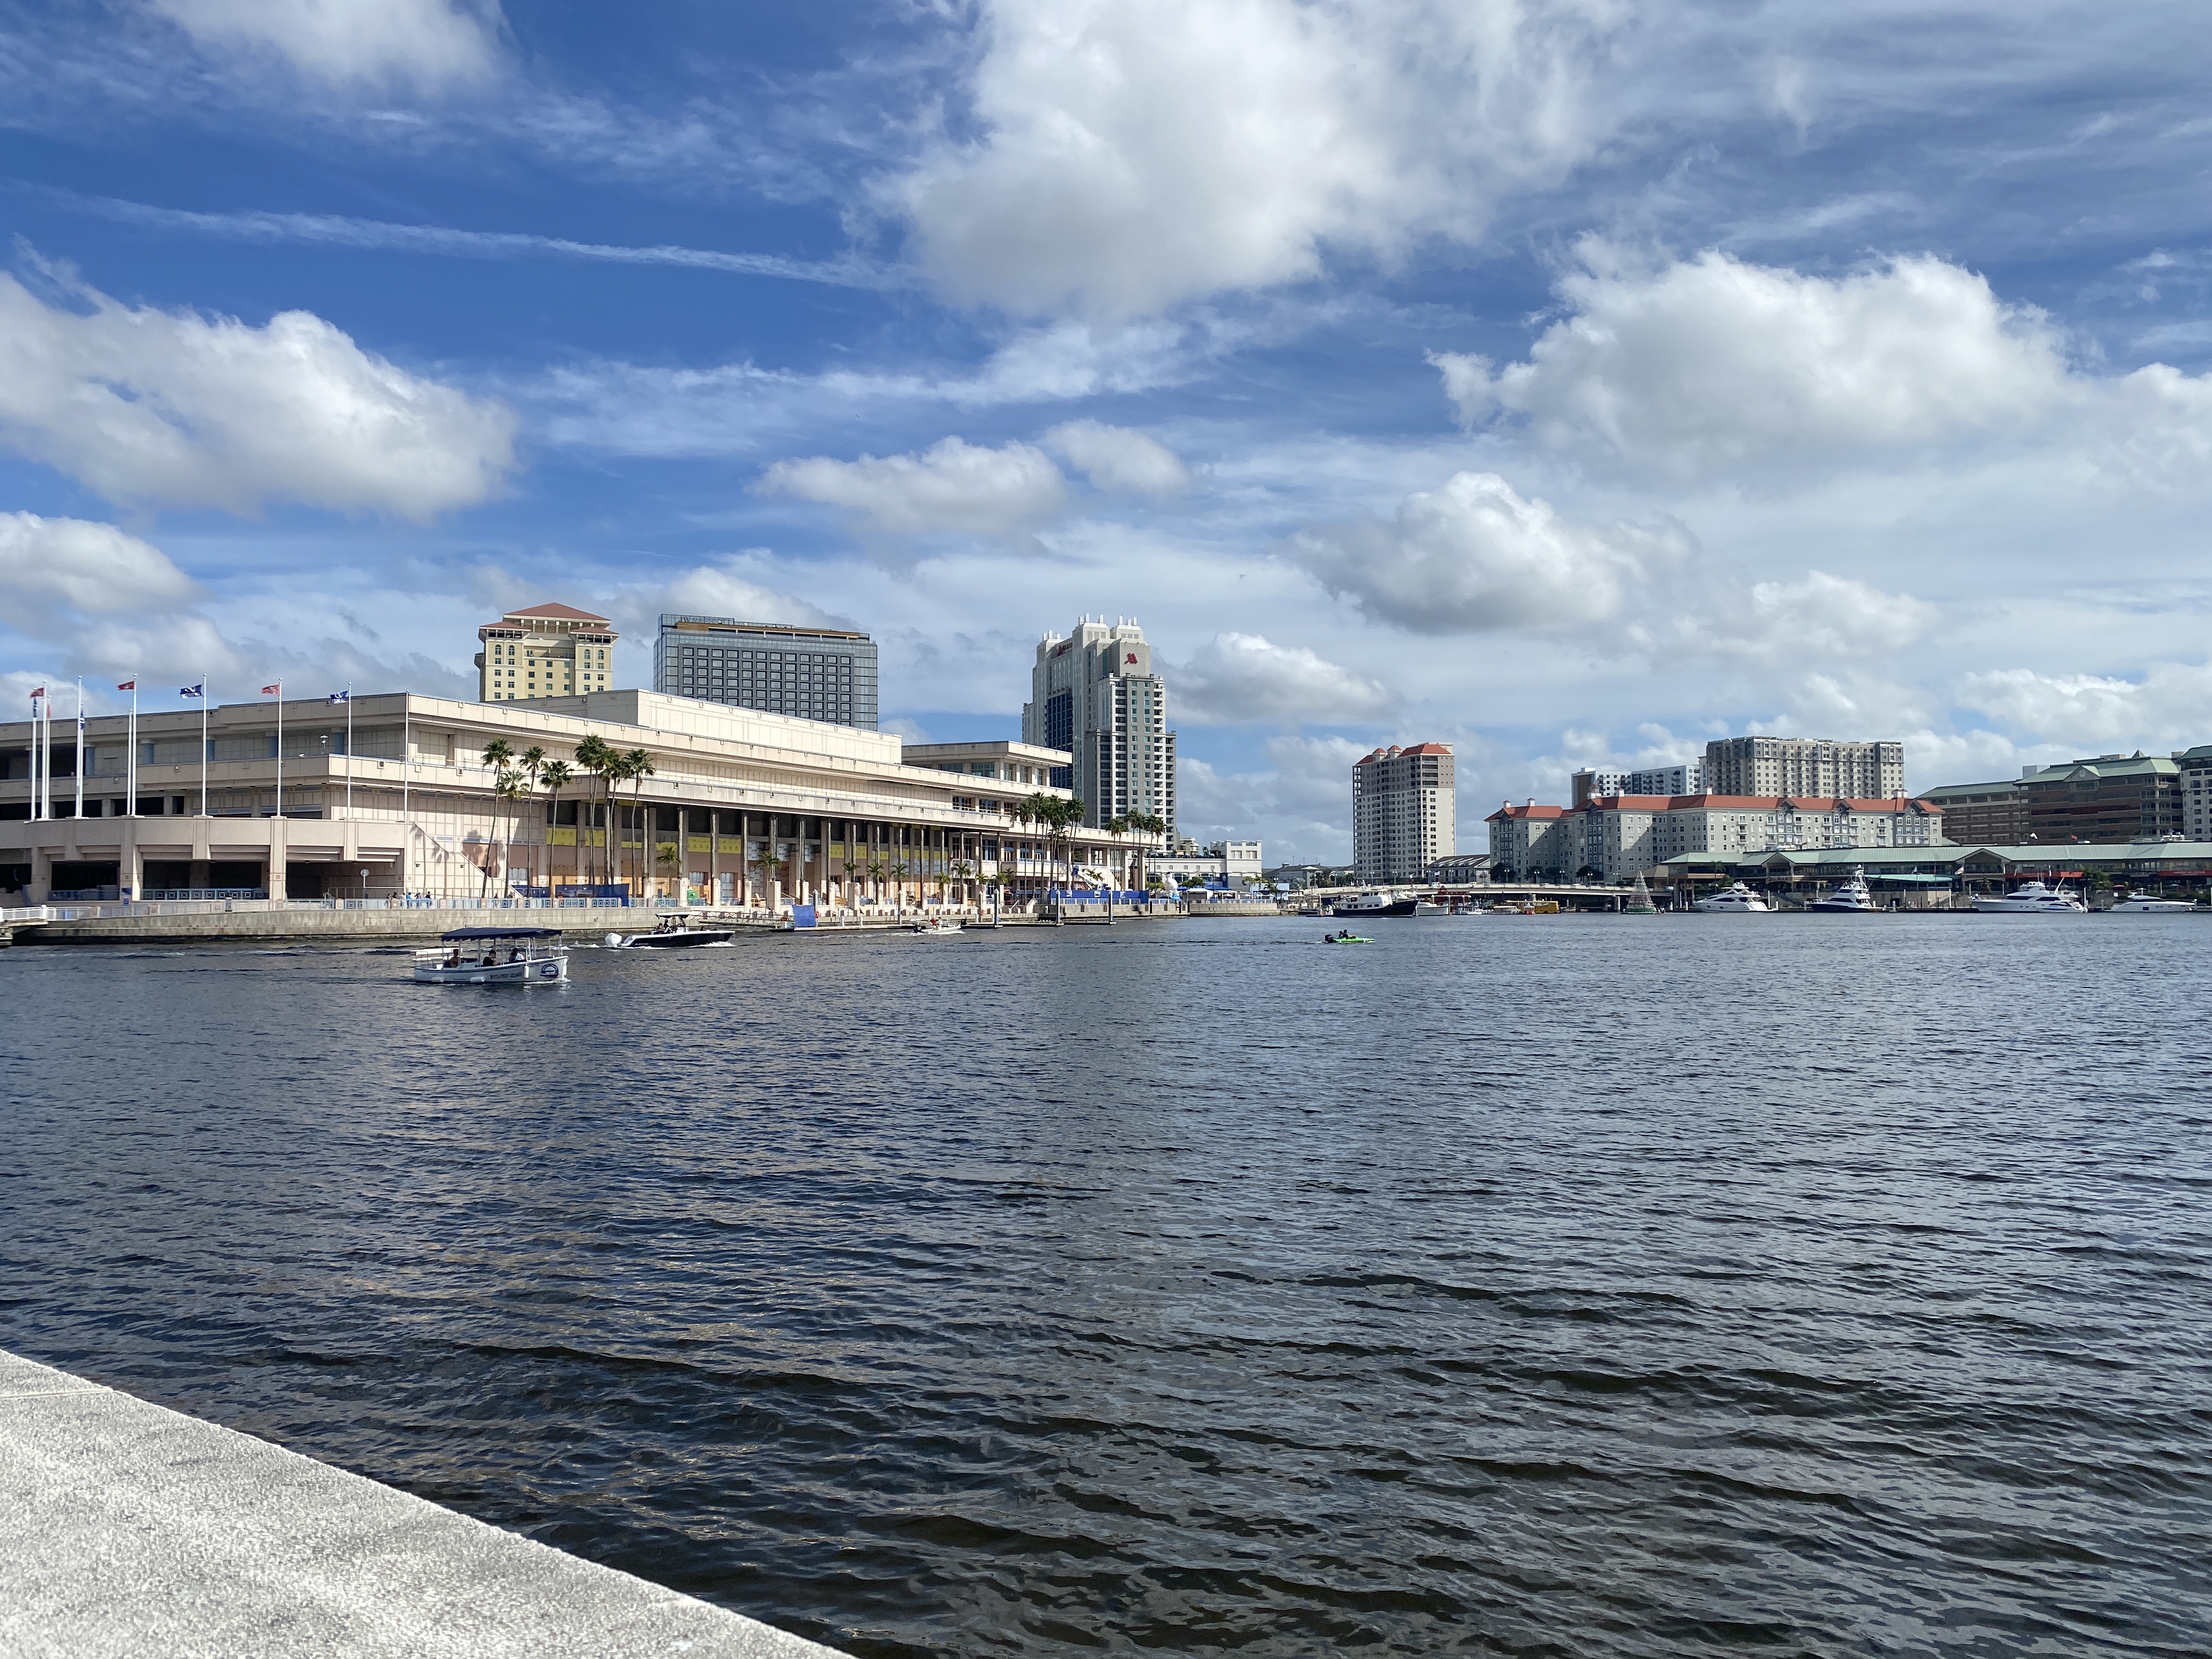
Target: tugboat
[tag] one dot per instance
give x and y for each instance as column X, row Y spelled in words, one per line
column 494, row 956
column 1852, row 898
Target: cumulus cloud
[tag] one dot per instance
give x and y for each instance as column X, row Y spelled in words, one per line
column 1821, row 616
column 1473, row 555
column 1136, row 153
column 427, row 43
column 1301, row 806
column 1243, row 678
column 1119, row 459
column 175, row 408
column 49, row 566
column 1711, row 366
column 951, row 486
column 2166, row 708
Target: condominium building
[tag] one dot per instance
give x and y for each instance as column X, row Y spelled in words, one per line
column 545, row 650
column 1405, row 815
column 808, row 674
column 1613, row 837
column 2195, row 785
column 1528, row 840
column 1093, row 693
column 1804, row 766
column 1687, row 780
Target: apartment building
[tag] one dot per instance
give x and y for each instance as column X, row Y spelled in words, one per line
column 1819, row 767
column 1687, row 780
column 1528, row 840
column 808, row 674
column 1404, row 814
column 2194, row 767
column 544, row 651
column 1613, row 837
column 1093, row 693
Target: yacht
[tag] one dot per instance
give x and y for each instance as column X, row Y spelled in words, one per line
column 673, row 932
column 1737, row 899
column 2146, row 906
column 2033, row 898
column 494, row 956
column 1382, row 903
column 1848, row 899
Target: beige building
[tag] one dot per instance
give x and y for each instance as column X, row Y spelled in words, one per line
column 546, row 651
column 1404, row 813
column 1613, row 837
column 1804, row 766
column 742, row 808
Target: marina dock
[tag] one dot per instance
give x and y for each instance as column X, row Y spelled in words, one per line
column 135, row 1530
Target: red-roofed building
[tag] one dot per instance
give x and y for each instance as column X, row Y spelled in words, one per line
column 1611, row 837
column 549, row 650
column 1405, row 815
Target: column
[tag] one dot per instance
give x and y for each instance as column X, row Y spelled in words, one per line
column 276, row 865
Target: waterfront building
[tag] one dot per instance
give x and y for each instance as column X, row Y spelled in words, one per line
column 544, row 651
column 1991, row 814
column 2110, row 799
column 1613, row 837
column 1237, row 863
column 1404, row 813
column 808, row 674
column 1458, row 869
column 1685, row 780
column 1299, row 877
column 1528, row 842
column 741, row 807
column 1094, row 694
column 2194, row 781
column 1814, row 767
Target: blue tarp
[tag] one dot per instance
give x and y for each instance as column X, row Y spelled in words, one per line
column 802, row 915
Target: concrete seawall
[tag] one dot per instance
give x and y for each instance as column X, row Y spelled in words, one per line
column 421, row 925
column 131, row 1530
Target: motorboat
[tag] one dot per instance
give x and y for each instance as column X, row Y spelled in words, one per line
column 2153, row 906
column 2032, row 899
column 1376, row 904
column 936, row 928
column 1431, row 908
column 1347, row 937
column 1735, row 899
column 494, row 956
column 1850, row 898
column 674, row 932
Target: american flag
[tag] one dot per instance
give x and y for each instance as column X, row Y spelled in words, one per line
column 128, row 685
column 271, row 691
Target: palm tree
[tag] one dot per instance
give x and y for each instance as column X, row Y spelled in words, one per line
column 876, row 868
column 496, row 754
column 637, row 767
column 555, row 776
column 764, row 861
column 598, row 756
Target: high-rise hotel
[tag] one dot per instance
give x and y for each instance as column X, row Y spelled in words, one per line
column 1405, row 815
column 809, row 674
column 1093, row 693
column 545, row 650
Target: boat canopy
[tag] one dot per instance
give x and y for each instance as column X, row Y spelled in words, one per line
column 502, row 932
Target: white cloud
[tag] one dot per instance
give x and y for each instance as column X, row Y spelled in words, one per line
column 718, row 590
column 427, row 43
column 1712, row 365
column 1136, row 153
column 1301, row 808
column 1821, row 616
column 2170, row 707
column 51, row 566
column 951, row 486
column 1119, row 459
column 1242, row 678
column 1474, row 555
column 176, row 408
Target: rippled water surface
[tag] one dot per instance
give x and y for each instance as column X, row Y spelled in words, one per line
column 1561, row 1285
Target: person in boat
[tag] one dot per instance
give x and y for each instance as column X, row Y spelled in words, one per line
column 454, row 960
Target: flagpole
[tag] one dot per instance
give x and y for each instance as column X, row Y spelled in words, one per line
column 280, row 749
column 38, row 701
column 203, row 746
column 77, row 806
column 47, row 759
column 406, row 777
column 131, row 765
column 348, row 749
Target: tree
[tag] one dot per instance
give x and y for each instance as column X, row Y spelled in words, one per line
column 598, row 756
column 496, row 754
column 764, row 861
column 555, row 776
column 876, row 867
column 637, row 767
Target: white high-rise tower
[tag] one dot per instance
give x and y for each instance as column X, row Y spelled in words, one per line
column 1093, row 693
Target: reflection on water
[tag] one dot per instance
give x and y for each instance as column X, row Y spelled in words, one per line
column 1592, row 1287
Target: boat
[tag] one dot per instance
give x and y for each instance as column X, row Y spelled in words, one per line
column 1639, row 902
column 1376, row 904
column 494, row 956
column 2153, row 906
column 2032, row 899
column 672, row 933
column 1431, row 908
column 1735, row 899
column 1852, row 898
column 1347, row 937
column 936, row 928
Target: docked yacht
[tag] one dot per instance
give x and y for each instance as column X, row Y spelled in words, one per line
column 1380, row 903
column 2033, row 898
column 2153, row 906
column 1850, row 898
column 494, row 956
column 1738, row 900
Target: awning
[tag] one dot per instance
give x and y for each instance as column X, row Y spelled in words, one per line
column 502, row 932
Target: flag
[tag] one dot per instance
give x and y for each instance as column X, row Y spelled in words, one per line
column 341, row 696
column 36, row 695
column 199, row 690
column 271, row 691
column 128, row 685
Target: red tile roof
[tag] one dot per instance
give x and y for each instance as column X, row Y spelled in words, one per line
column 560, row 612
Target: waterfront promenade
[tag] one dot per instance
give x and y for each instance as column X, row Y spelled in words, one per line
column 137, row 1530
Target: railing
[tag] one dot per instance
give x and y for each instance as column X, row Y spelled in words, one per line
column 209, row 905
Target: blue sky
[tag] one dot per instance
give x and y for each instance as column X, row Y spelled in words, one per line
column 1572, row 382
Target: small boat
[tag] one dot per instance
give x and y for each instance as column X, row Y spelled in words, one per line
column 1737, row 899
column 936, row 928
column 494, row 956
column 2032, row 899
column 1852, row 898
column 1347, row 937
column 2153, row 906
column 1376, row 904
column 1431, row 908
column 673, row 934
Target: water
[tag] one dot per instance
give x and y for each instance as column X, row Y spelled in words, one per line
column 1561, row 1285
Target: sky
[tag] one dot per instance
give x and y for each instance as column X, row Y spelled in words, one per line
column 1572, row 381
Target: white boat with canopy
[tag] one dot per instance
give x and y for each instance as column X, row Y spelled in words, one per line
column 494, row 956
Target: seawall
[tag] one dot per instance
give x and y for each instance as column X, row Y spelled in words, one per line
column 133, row 1529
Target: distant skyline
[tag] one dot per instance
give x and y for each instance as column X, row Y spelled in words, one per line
column 1571, row 382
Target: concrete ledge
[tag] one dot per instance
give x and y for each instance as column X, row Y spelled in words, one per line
column 424, row 925
column 131, row 1530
